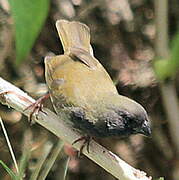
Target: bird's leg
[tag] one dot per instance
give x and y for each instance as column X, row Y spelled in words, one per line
column 37, row 106
column 86, row 143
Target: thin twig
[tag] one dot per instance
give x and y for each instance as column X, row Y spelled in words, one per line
column 9, row 146
column 104, row 158
column 50, row 161
column 41, row 160
column 64, row 167
column 26, row 152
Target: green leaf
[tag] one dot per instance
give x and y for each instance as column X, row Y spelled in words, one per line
column 175, row 52
column 162, row 68
column 161, row 178
column 9, row 171
column 167, row 68
column 29, row 17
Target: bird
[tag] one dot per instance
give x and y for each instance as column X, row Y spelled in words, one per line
column 81, row 89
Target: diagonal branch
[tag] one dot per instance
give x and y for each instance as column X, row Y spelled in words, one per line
column 17, row 99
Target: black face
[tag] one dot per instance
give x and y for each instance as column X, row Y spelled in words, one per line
column 138, row 124
column 123, row 123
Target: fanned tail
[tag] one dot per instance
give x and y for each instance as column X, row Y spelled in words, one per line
column 74, row 35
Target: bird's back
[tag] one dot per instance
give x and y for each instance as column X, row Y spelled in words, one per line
column 81, row 84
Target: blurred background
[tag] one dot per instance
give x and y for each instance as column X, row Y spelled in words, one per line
column 136, row 41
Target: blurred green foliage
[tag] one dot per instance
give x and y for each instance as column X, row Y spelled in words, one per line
column 9, row 171
column 161, row 178
column 167, row 68
column 29, row 17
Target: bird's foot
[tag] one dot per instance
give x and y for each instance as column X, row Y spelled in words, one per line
column 86, row 141
column 37, row 107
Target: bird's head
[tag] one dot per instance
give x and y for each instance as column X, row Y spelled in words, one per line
column 138, row 123
column 136, row 119
column 131, row 118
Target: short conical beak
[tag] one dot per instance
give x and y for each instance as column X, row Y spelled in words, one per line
column 146, row 130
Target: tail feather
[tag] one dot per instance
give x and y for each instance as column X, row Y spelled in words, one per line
column 74, row 35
